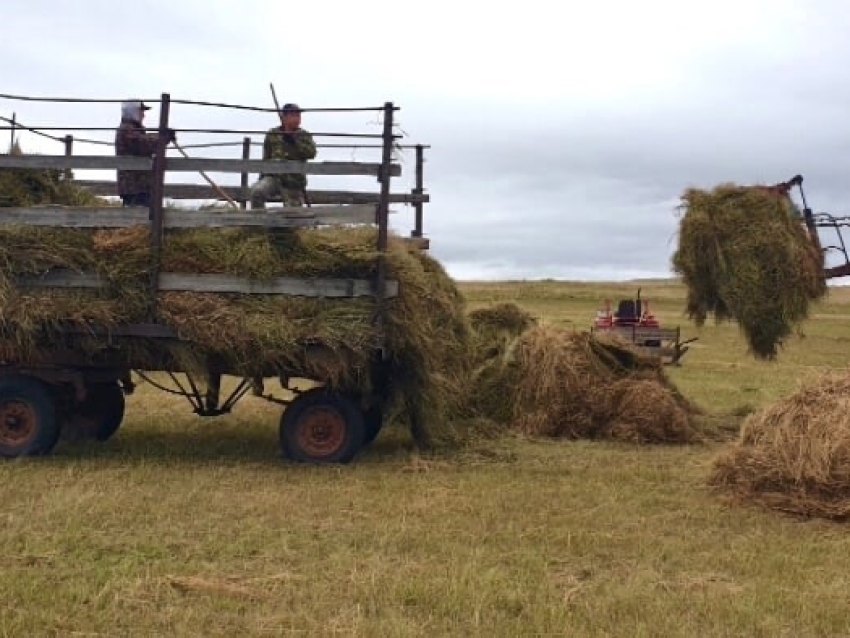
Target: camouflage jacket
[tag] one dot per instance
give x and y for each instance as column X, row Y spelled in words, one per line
column 301, row 149
column 131, row 138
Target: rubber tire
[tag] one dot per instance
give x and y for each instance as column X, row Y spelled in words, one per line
column 373, row 421
column 40, row 400
column 321, row 398
column 108, row 399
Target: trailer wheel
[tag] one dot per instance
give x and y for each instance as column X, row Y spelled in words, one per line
column 28, row 423
column 321, row 426
column 100, row 415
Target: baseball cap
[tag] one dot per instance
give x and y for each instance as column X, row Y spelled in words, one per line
column 289, row 107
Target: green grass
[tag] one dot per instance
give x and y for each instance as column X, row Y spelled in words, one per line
column 184, row 526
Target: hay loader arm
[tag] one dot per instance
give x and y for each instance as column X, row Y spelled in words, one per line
column 826, row 220
column 816, row 221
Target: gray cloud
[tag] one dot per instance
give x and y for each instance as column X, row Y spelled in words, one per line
column 561, row 155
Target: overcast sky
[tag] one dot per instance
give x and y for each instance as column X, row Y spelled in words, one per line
column 562, row 133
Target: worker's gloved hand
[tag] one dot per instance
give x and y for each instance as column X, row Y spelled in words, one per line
column 172, row 135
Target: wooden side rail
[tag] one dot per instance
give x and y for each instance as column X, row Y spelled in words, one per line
column 105, row 188
column 191, row 165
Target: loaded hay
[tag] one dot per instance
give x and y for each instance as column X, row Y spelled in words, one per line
column 794, row 456
column 745, row 255
column 331, row 340
column 552, row 382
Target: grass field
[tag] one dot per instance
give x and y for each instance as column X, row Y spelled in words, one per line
column 183, row 526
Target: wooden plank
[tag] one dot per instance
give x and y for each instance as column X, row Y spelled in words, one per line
column 107, row 188
column 277, row 167
column 194, row 164
column 75, row 217
column 214, row 283
column 118, row 217
column 422, row 243
column 304, row 287
column 93, row 162
column 281, row 217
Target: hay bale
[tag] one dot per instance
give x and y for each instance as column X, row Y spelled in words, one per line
column 794, row 455
column 745, row 255
column 553, row 382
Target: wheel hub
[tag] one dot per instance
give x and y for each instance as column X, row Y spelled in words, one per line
column 321, row 431
column 17, row 422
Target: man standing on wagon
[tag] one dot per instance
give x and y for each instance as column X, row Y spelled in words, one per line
column 287, row 142
column 132, row 139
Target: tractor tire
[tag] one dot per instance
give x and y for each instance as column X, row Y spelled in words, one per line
column 99, row 416
column 322, row 426
column 28, row 422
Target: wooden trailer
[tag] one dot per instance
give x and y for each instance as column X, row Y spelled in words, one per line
column 318, row 425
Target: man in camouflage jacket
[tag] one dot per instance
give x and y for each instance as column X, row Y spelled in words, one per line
column 287, row 142
column 132, row 138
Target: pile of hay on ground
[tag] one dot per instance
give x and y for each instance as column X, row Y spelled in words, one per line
column 794, row 455
column 745, row 255
column 495, row 327
column 552, row 382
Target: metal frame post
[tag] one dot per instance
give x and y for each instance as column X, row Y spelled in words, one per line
column 384, row 200
column 383, row 211
column 419, row 190
column 156, row 203
column 12, row 129
column 69, row 151
column 246, row 155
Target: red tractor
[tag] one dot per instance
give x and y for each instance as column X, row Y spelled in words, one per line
column 630, row 312
column 633, row 321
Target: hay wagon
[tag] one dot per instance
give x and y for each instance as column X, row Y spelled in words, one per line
column 83, row 387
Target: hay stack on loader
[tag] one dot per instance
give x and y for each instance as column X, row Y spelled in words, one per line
column 745, row 255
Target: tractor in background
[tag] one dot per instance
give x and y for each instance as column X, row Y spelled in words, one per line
column 634, row 321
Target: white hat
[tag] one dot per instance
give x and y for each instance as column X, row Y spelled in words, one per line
column 132, row 109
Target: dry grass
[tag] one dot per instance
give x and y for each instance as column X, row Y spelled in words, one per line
column 794, row 455
column 181, row 526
